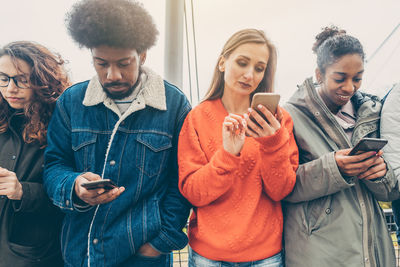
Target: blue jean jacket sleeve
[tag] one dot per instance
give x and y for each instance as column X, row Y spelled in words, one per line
column 174, row 207
column 59, row 176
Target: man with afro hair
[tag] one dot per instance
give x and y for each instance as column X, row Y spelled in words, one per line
column 122, row 125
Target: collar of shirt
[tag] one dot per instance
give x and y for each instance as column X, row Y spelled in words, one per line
column 346, row 116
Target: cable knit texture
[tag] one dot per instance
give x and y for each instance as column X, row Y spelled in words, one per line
column 237, row 215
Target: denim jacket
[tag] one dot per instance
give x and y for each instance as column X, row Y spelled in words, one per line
column 137, row 150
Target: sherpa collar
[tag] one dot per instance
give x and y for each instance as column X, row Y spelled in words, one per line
column 151, row 94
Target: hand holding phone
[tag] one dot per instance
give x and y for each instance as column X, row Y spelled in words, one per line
column 264, row 120
column 359, row 165
column 365, row 159
column 96, row 191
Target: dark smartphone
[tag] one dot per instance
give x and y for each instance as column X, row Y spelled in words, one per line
column 107, row 184
column 368, row 144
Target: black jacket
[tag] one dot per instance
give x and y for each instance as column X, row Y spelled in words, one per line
column 30, row 227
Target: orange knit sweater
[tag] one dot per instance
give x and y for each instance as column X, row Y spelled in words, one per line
column 237, row 214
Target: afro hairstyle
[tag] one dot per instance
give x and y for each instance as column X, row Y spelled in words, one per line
column 113, row 23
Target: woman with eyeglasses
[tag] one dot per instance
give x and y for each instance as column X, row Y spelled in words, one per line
column 31, row 80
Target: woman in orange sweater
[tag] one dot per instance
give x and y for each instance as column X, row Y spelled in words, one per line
column 233, row 171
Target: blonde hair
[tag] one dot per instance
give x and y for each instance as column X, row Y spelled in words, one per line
column 239, row 38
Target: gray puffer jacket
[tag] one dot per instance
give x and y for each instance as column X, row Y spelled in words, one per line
column 331, row 220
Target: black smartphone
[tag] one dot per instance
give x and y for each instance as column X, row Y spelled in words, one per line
column 107, row 184
column 368, row 144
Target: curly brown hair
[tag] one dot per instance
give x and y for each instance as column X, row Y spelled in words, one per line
column 116, row 23
column 48, row 80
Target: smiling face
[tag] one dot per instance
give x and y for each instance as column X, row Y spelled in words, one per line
column 16, row 97
column 244, row 68
column 117, row 69
column 340, row 81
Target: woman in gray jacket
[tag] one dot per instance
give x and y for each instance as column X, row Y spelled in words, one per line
column 332, row 217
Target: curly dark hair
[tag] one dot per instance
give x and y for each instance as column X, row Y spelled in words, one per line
column 114, row 23
column 333, row 43
column 48, row 80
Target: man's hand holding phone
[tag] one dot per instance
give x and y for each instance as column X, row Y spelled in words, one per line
column 95, row 196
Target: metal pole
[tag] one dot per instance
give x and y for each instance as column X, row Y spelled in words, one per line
column 382, row 44
column 173, row 54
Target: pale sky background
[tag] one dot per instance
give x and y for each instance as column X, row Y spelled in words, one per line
column 290, row 24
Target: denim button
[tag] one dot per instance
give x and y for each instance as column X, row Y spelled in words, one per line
column 14, row 157
column 67, row 202
column 328, row 211
column 112, row 162
column 95, row 241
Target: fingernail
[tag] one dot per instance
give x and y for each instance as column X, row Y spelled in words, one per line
column 259, row 106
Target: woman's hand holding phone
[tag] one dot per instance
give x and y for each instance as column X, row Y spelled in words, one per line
column 95, row 196
column 233, row 133
column 257, row 126
column 368, row 165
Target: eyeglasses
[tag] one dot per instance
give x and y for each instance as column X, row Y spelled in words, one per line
column 19, row 80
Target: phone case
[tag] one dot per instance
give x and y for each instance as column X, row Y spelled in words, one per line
column 269, row 100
